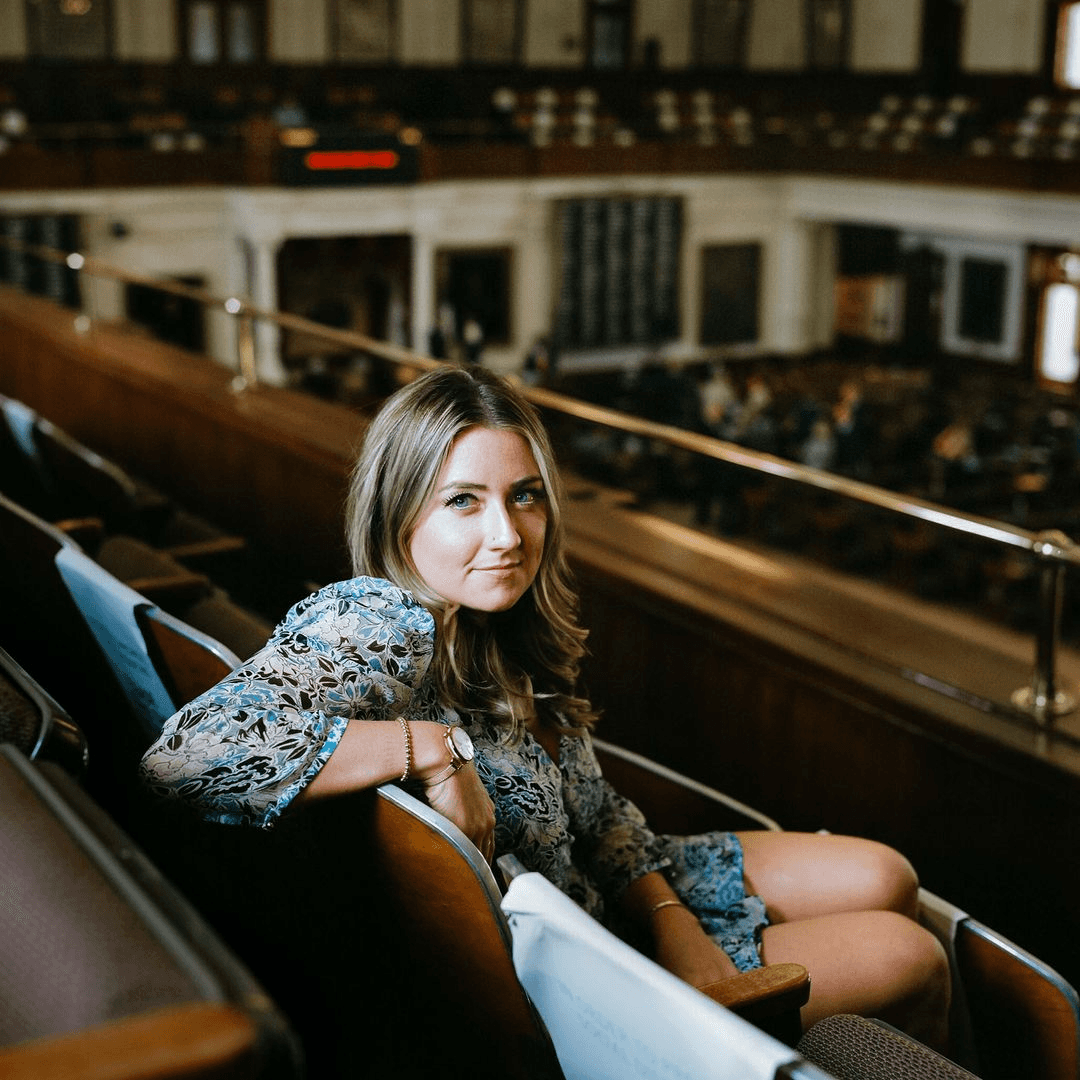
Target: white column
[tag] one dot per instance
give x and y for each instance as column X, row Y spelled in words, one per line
column 264, row 295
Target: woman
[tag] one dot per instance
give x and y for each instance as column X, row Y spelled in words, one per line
column 450, row 663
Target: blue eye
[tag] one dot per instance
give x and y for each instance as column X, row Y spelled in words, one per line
column 462, row 500
column 528, row 496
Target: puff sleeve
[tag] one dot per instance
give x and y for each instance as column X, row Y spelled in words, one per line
column 242, row 751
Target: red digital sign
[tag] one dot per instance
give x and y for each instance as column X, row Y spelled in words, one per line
column 351, row 159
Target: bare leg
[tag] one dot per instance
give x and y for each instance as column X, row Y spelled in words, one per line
column 872, row 963
column 801, row 875
column 844, row 908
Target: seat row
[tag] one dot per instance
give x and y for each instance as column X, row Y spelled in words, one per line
column 411, row 922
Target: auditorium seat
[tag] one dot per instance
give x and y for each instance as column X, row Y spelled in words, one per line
column 117, row 616
column 105, row 970
column 1012, row 1016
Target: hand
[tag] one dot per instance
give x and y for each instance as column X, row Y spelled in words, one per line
column 462, row 798
column 684, row 949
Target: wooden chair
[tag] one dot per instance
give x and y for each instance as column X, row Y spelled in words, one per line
column 140, row 641
column 1013, row 1015
column 106, row 971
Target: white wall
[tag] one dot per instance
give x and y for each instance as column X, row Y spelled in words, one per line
column 199, row 232
column 776, row 38
column 12, row 29
column 298, row 31
column 886, row 35
column 429, row 32
column 145, row 30
column 554, row 33
column 671, row 23
column 1003, row 36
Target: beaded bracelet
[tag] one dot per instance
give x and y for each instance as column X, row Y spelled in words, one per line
column 408, row 749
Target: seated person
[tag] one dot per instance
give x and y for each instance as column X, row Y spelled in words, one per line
column 450, row 662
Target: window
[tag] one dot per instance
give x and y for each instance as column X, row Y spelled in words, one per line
column 1067, row 46
column 720, row 32
column 827, row 33
column 69, row 29
column 364, row 31
column 1058, row 360
column 1056, row 274
column 609, row 33
column 730, row 277
column 475, row 283
column 491, row 31
column 223, row 31
column 619, row 263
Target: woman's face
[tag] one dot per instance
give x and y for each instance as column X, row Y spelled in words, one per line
column 480, row 537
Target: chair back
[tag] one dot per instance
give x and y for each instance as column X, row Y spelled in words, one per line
column 453, row 929
column 112, row 609
column 673, row 803
column 31, row 720
column 104, row 968
column 612, row 1012
column 87, row 483
column 1013, row 1014
column 22, row 473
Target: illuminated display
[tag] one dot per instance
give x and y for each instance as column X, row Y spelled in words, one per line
column 352, row 159
column 346, row 160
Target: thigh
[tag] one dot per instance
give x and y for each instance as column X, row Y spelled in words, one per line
column 804, row 875
column 873, row 963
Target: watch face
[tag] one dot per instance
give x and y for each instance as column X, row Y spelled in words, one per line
column 463, row 745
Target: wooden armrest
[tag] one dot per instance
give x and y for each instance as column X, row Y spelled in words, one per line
column 171, row 591
column 196, row 1040
column 87, row 532
column 201, row 549
column 763, row 992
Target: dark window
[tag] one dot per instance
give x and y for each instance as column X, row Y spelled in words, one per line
column 730, row 277
column 475, row 282
column 364, row 31
column 982, row 300
column 609, row 33
column 827, row 33
column 491, row 31
column 223, row 31
column 69, row 29
column 619, row 271
column 720, row 32
column 175, row 319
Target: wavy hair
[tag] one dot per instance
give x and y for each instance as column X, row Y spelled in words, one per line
column 498, row 665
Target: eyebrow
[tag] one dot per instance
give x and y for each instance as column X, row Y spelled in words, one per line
column 469, row 485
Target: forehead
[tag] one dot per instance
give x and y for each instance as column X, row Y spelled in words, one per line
column 488, row 451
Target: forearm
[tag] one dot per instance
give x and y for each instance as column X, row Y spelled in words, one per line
column 372, row 752
column 679, row 942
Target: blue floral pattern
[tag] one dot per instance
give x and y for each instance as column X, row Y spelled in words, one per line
column 361, row 648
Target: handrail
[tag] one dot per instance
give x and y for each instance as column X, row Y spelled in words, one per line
column 1042, row 699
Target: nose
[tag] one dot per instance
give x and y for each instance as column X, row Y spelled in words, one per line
column 502, row 534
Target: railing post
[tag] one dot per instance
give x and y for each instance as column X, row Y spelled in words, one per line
column 248, row 378
column 1042, row 699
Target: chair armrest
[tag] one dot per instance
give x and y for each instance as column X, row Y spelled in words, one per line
column 764, row 991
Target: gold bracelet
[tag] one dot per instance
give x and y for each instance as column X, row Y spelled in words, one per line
column 408, row 750
column 662, row 904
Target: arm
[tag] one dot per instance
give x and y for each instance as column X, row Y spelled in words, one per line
column 679, row 942
column 243, row 750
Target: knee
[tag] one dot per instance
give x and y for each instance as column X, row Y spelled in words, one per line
column 890, row 881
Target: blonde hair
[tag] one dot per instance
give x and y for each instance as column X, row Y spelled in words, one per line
column 499, row 665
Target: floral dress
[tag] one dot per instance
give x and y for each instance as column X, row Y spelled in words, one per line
column 242, row 751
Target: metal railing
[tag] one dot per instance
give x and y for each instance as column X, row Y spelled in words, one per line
column 1042, row 699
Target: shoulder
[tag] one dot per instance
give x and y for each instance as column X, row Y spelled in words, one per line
column 362, row 609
